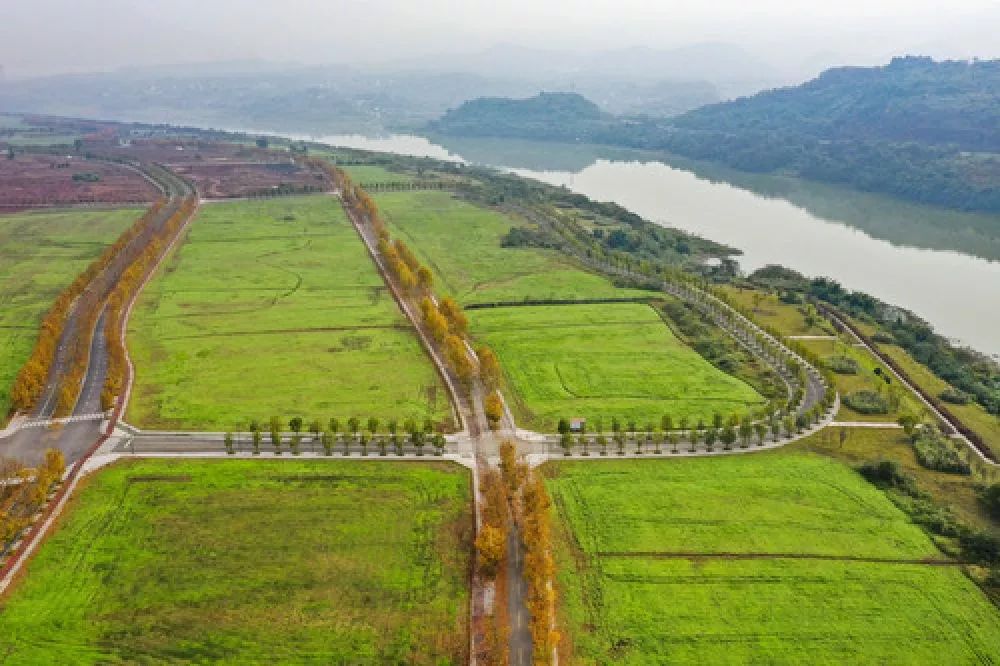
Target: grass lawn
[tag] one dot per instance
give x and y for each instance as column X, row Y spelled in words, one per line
column 41, row 253
column 865, row 378
column 626, row 600
column 461, row 244
column 603, row 361
column 237, row 562
column 364, row 173
column 274, row 308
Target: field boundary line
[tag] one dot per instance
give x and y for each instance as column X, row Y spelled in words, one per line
column 682, row 555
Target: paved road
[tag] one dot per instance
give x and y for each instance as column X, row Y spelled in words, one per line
column 74, row 439
column 517, row 597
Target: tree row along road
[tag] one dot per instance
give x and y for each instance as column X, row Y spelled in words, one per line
column 75, row 438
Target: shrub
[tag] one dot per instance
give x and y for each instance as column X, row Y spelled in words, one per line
column 842, row 365
column 954, row 396
column 889, row 474
column 935, row 452
column 867, row 402
column 86, row 177
column 883, row 338
column 981, row 547
column 991, row 498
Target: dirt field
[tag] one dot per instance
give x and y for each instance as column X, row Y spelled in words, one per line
column 222, row 170
column 28, row 181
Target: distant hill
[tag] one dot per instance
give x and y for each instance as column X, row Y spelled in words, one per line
column 917, row 129
column 546, row 116
column 910, row 99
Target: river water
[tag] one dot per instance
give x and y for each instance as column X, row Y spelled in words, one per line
column 942, row 265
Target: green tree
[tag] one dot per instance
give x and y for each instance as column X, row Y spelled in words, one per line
column 326, row 439
column 228, row 440
column 256, row 437
column 354, row 425
column 761, row 431
column 295, row 424
column 566, row 442
column 373, row 425
column 334, row 425
column 666, row 423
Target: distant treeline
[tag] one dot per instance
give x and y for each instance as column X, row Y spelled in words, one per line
column 916, row 129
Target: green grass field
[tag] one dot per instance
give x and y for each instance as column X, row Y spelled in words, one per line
column 41, row 253
column 461, row 244
column 626, row 600
column 365, row 173
column 241, row 562
column 603, row 361
column 274, row 308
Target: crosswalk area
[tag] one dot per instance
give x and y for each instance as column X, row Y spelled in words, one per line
column 41, row 423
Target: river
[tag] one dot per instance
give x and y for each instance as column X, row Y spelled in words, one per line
column 942, row 265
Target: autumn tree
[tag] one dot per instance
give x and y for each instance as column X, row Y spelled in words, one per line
column 491, row 546
column 489, row 366
column 458, row 323
column 493, row 407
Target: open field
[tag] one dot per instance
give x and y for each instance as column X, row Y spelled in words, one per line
column 956, row 491
column 769, row 558
column 243, row 562
column 274, row 308
column 41, row 253
column 37, row 180
column 603, row 361
column 369, row 173
column 242, row 179
column 461, row 243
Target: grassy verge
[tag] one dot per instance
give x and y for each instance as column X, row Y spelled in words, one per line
column 628, row 597
column 461, row 243
column 40, row 254
column 768, row 310
column 972, row 414
column 251, row 562
column 604, row 361
column 274, row 308
column 864, row 379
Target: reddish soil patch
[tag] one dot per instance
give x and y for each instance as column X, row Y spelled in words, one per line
column 222, row 170
column 29, row 180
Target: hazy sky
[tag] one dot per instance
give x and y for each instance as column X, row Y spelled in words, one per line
column 48, row 36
